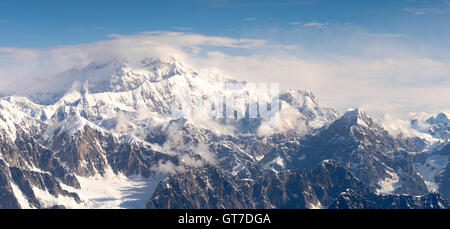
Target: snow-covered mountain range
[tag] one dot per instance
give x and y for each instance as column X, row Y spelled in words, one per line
column 155, row 133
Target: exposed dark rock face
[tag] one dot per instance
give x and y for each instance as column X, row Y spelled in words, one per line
column 89, row 151
column 65, row 176
column 26, row 180
column 107, row 119
column 328, row 185
column 57, row 207
column 24, row 150
column 357, row 200
column 411, row 144
column 440, row 126
column 364, row 155
column 359, row 144
column 230, row 151
column 7, row 197
column 22, row 154
column 436, row 167
column 82, row 151
column 209, row 187
column 212, row 187
column 134, row 159
column 329, row 179
column 444, row 177
column 444, row 182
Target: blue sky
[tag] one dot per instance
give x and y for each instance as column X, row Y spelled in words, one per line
column 47, row 23
column 389, row 54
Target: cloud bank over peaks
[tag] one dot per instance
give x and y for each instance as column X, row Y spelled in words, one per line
column 402, row 82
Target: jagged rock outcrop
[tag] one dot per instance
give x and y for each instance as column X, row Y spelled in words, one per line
column 444, row 182
column 439, row 126
column 443, row 179
column 7, row 198
column 26, row 180
column 253, row 187
column 115, row 119
column 356, row 200
column 434, row 166
column 361, row 145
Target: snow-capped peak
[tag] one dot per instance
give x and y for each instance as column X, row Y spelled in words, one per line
column 308, row 105
column 107, row 91
column 441, row 118
column 122, row 75
column 357, row 117
column 163, row 68
column 108, row 75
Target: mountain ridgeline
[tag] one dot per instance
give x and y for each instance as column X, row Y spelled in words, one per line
column 111, row 135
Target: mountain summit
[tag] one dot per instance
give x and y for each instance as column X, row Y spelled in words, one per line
column 357, row 117
column 100, row 134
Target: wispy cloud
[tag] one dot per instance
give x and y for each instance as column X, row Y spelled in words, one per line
column 249, row 19
column 426, row 11
column 395, row 82
column 295, row 23
column 18, row 54
column 4, row 21
column 315, row 24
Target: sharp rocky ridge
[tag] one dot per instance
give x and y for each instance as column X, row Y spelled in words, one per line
column 112, row 135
